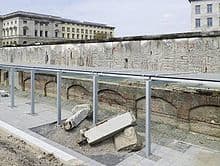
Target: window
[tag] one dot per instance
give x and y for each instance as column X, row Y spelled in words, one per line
column 63, row 34
column 15, row 22
column 46, row 33
column 24, row 31
column 68, row 35
column 86, row 31
column 73, row 36
column 35, row 32
column 209, row 22
column 41, row 33
column 77, row 36
column 56, row 25
column 73, row 29
column 197, row 23
column 209, row 8
column 82, row 30
column 86, row 37
column 82, row 36
column 36, row 22
column 94, row 32
column 56, row 34
column 77, row 30
column 63, row 28
column 24, row 22
column 68, row 29
column 197, row 9
column 24, row 42
column 90, row 31
column 11, row 22
column 41, row 24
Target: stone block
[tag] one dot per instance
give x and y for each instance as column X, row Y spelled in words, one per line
column 80, row 113
column 109, row 128
column 128, row 140
column 3, row 93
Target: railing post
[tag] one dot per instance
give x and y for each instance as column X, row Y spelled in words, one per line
column 12, row 89
column 148, row 118
column 59, row 82
column 95, row 98
column 32, row 91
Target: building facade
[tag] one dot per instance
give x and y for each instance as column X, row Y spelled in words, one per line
column 23, row 28
column 205, row 15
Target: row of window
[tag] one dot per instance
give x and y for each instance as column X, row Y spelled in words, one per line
column 12, row 22
column 77, row 36
column 209, row 8
column 209, row 22
column 82, row 30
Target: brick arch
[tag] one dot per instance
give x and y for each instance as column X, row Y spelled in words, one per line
column 114, row 97
column 76, row 85
column 25, row 80
column 45, row 86
column 159, row 105
column 205, row 119
column 205, row 113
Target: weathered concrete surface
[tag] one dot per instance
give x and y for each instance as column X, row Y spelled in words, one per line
column 128, row 140
column 189, row 52
column 80, row 113
column 109, row 128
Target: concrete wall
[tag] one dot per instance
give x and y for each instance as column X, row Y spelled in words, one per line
column 194, row 52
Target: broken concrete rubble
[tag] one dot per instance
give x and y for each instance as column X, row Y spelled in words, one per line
column 109, row 128
column 128, row 140
column 80, row 113
column 3, row 93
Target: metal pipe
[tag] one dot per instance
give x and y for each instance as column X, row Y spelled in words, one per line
column 12, row 87
column 124, row 76
column 187, row 80
column 32, row 92
column 95, row 98
column 148, row 118
column 59, row 82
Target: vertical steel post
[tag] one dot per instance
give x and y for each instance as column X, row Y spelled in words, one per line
column 12, row 82
column 148, row 118
column 59, row 82
column 95, row 98
column 32, row 92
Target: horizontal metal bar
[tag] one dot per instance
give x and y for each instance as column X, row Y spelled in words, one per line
column 123, row 76
column 188, row 81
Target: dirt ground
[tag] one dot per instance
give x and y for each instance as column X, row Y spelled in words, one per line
column 15, row 152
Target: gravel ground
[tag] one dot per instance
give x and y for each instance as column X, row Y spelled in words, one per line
column 15, row 152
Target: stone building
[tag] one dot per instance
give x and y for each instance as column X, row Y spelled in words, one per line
column 205, row 15
column 22, row 28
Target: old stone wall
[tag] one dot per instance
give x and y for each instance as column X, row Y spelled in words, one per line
column 185, row 108
column 193, row 52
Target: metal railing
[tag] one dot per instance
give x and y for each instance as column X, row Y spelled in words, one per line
column 95, row 74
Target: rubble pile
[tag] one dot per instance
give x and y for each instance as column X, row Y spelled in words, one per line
column 121, row 128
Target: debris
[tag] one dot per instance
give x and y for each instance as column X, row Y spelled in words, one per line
column 128, row 140
column 81, row 112
column 109, row 128
column 3, row 93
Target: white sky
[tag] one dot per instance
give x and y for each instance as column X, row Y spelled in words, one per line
column 130, row 17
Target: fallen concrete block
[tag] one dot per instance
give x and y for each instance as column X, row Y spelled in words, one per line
column 109, row 128
column 128, row 140
column 3, row 93
column 81, row 112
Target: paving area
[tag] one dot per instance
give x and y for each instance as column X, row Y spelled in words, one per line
column 172, row 152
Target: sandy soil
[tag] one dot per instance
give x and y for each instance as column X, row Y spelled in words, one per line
column 15, row 152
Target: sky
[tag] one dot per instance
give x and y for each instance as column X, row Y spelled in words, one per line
column 130, row 17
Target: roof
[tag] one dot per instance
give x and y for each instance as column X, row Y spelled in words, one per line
column 51, row 17
column 194, row 0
